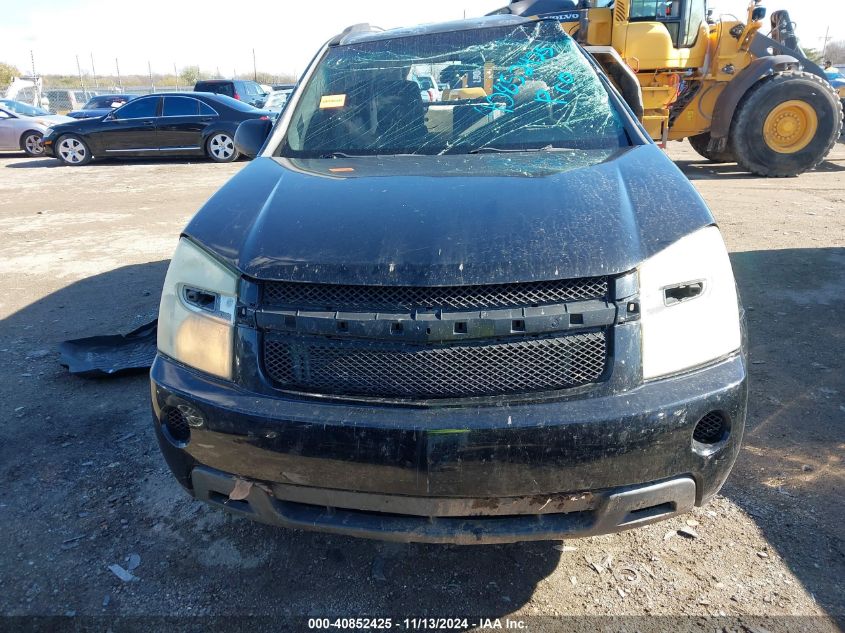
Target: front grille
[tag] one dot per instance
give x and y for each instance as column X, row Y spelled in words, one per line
column 454, row 370
column 407, row 298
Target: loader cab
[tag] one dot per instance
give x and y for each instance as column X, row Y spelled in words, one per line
column 648, row 34
column 683, row 19
column 661, row 34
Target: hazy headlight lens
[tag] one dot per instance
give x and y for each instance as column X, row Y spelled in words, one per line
column 690, row 312
column 197, row 313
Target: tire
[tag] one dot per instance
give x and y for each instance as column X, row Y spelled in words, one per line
column 786, row 124
column 31, row 143
column 220, row 147
column 72, row 150
column 700, row 142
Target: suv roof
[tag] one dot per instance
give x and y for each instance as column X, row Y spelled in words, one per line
column 367, row 33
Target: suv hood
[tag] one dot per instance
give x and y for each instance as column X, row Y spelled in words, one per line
column 450, row 220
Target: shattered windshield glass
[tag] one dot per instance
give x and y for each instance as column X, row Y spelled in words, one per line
column 526, row 87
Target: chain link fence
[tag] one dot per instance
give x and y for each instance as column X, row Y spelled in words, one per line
column 62, row 99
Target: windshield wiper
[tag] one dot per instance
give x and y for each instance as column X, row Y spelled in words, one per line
column 489, row 149
column 340, row 155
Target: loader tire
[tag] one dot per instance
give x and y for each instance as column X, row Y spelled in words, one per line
column 700, row 142
column 786, row 124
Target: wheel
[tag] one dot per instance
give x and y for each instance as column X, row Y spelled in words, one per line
column 786, row 124
column 31, row 143
column 72, row 150
column 220, row 148
column 700, row 142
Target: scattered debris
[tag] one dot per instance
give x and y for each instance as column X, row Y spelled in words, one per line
column 241, row 490
column 630, row 574
column 692, row 522
column 121, row 573
column 565, row 548
column 573, row 580
column 73, row 539
column 669, row 535
column 807, row 468
column 378, row 569
column 98, row 356
column 133, row 560
column 688, row 532
column 762, row 554
column 106, row 600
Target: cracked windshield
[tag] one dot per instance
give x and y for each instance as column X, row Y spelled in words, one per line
column 512, row 88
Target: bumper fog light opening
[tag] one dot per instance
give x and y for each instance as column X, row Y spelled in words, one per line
column 710, row 430
column 175, row 425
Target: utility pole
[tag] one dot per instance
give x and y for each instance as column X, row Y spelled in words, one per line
column 150, row 70
column 117, row 68
column 94, row 72
column 36, row 80
column 79, row 70
column 827, row 38
column 176, row 74
column 254, row 69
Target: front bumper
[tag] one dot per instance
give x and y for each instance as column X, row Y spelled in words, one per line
column 49, row 143
column 527, row 471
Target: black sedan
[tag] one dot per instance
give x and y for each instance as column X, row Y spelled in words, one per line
column 172, row 124
column 100, row 105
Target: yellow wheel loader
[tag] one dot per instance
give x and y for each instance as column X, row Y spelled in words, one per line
column 734, row 92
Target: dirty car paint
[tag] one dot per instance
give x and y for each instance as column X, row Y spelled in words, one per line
column 441, row 220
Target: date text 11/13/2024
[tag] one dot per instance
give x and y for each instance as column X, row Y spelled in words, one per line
column 417, row 624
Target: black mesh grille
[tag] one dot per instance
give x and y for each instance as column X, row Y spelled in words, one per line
column 456, row 370
column 406, row 298
column 710, row 428
column 176, row 425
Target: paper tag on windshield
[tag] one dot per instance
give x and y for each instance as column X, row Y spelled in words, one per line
column 332, row 101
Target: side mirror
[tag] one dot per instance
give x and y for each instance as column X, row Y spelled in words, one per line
column 250, row 136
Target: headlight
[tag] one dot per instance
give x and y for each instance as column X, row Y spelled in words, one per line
column 689, row 307
column 197, row 314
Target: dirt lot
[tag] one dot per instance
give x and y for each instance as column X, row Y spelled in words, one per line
column 83, row 486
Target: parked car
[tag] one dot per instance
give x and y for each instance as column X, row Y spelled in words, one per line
column 283, row 86
column 276, row 100
column 836, row 78
column 247, row 91
column 492, row 320
column 64, row 101
column 171, row 124
column 28, row 90
column 22, row 126
column 100, row 106
column 429, row 89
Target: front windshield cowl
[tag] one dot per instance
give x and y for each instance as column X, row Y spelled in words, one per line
column 522, row 87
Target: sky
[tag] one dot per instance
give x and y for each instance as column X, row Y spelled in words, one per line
column 284, row 33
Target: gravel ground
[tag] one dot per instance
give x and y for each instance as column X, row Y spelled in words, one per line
column 83, row 486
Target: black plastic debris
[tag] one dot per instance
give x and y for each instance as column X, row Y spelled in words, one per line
column 99, row 356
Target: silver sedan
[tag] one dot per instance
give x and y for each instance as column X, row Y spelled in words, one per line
column 22, row 126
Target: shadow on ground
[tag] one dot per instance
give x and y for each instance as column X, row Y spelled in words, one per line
column 791, row 474
column 34, row 163
column 705, row 170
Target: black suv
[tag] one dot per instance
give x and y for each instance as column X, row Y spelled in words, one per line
column 242, row 90
column 499, row 318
